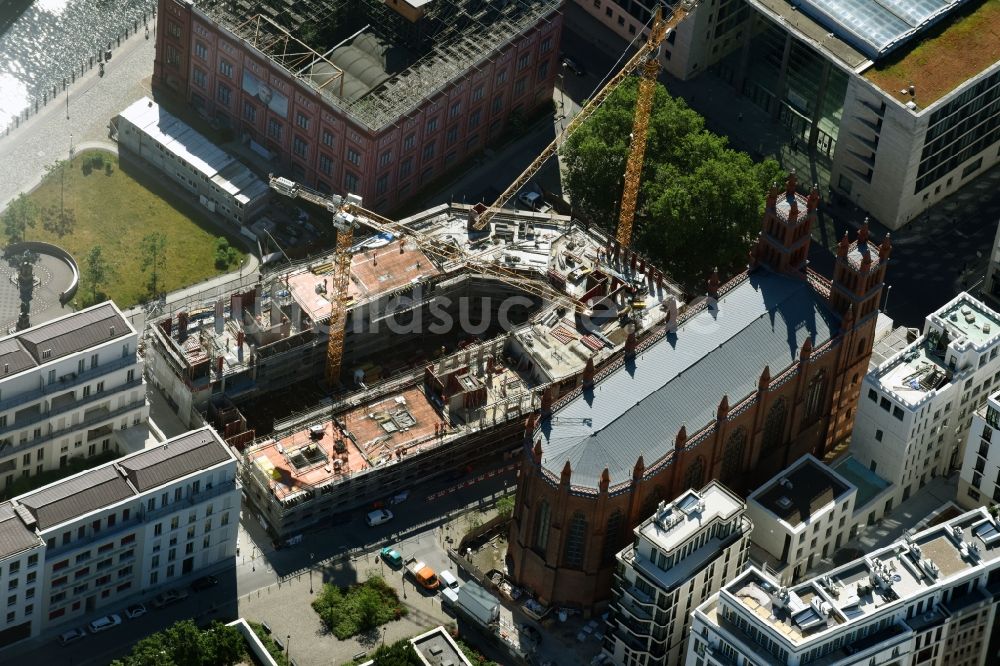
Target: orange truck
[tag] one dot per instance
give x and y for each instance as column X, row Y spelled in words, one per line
column 422, row 573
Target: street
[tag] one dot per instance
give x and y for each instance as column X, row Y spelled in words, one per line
column 276, row 586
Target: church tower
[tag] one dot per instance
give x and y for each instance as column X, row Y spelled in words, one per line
column 858, row 274
column 783, row 243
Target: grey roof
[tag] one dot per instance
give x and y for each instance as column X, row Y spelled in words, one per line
column 77, row 495
column 13, row 357
column 73, row 333
column 679, row 380
column 178, row 457
column 14, row 535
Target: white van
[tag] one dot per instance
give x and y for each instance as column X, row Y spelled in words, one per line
column 449, row 580
column 378, row 517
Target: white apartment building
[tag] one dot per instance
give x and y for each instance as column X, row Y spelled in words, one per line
column 929, row 599
column 802, row 514
column 856, row 82
column 682, row 554
column 74, row 548
column 916, row 406
column 65, row 387
column 223, row 185
column 979, row 478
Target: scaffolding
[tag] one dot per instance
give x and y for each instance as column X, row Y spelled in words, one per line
column 452, row 38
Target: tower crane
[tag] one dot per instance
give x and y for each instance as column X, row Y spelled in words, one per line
column 645, row 58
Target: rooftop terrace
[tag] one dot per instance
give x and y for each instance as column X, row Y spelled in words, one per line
column 969, row 318
column 961, row 46
column 859, row 589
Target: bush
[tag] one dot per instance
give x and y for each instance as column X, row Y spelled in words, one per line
column 225, row 254
column 87, row 166
column 98, row 160
column 400, row 653
column 108, row 169
column 359, row 608
column 276, row 652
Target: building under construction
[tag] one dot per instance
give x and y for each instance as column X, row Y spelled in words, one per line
column 441, row 356
column 364, row 96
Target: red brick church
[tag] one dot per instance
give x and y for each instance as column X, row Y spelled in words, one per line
column 763, row 370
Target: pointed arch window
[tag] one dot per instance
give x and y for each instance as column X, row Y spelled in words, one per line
column 541, row 526
column 774, row 425
column 815, row 395
column 613, row 535
column 695, row 475
column 732, row 457
column 576, row 541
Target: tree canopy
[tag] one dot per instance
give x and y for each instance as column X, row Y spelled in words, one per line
column 19, row 216
column 700, row 202
column 183, row 644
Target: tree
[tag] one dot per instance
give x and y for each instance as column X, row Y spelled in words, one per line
column 183, row 644
column 98, row 270
column 505, row 506
column 21, row 214
column 699, row 203
column 225, row 254
column 58, row 221
column 153, row 249
column 400, row 653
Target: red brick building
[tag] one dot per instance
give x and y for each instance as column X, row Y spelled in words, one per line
column 360, row 96
column 766, row 368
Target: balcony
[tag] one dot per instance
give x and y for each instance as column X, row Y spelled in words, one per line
column 101, row 415
column 68, row 381
column 70, row 405
column 206, row 494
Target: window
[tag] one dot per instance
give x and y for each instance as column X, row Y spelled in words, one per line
column 497, row 103
column 614, row 534
column 732, row 457
column 576, row 541
column 897, row 413
column 200, row 79
column 302, row 120
column 520, row 86
column 477, row 93
column 223, row 94
column 501, row 77
column 299, row 147
column 815, row 395
column 694, row 477
column 354, row 157
column 327, row 138
column 174, row 522
column 474, row 118
column 249, row 111
column 774, row 425
column 325, row 163
column 543, row 69
column 523, row 61
column 429, row 150
column 455, row 110
column 872, row 395
column 351, row 182
column 385, row 158
column 452, row 135
column 200, row 51
column 432, row 125
column 382, row 184
column 878, row 435
column 274, row 129
column 226, row 68
column 541, row 539
column 410, row 142
column 546, row 44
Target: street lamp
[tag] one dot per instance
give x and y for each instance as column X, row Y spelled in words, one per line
column 885, row 308
column 288, row 649
column 311, row 557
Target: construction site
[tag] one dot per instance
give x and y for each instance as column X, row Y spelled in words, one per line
column 448, row 342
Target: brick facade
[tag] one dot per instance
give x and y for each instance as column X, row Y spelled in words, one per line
column 319, row 144
column 805, row 408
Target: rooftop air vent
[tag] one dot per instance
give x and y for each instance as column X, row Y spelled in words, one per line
column 784, row 502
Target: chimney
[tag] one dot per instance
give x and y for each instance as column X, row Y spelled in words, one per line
column 671, row 322
column 588, row 374
column 630, row 344
column 713, row 284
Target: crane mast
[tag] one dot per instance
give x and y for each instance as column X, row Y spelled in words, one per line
column 640, row 125
column 647, row 51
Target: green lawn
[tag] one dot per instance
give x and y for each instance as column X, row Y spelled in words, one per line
column 357, row 609
column 116, row 211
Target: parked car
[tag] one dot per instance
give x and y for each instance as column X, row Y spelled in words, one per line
column 378, row 516
column 169, row 597
column 572, row 66
column 105, row 623
column 449, row 580
column 204, row 583
column 399, row 497
column 134, row 611
column 391, row 557
column 71, row 636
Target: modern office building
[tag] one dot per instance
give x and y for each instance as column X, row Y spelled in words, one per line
column 915, row 407
column 682, row 554
column 779, row 349
column 927, row 599
column 87, row 542
column 361, row 96
column 66, row 386
column 900, row 97
column 800, row 516
column 979, row 478
column 221, row 184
